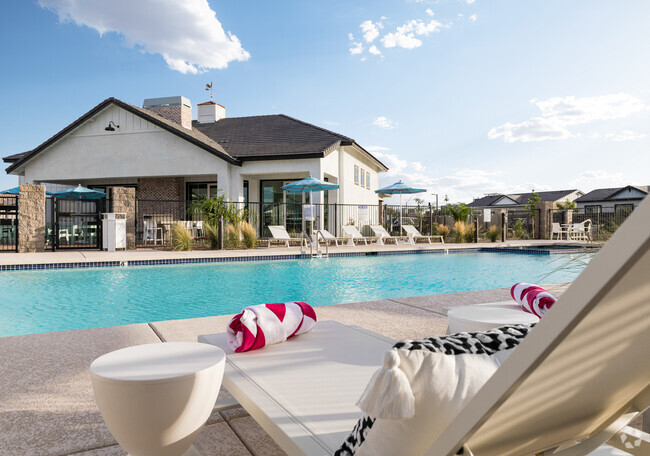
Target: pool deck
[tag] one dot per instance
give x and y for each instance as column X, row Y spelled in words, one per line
column 66, row 257
column 46, row 399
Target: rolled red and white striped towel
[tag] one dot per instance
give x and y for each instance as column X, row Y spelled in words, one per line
column 266, row 324
column 532, row 298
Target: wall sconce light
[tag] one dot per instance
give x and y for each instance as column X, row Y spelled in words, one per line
column 111, row 126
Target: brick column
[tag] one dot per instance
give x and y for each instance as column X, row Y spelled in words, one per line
column 124, row 201
column 543, row 219
column 31, row 218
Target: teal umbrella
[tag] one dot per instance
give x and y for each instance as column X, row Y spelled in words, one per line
column 399, row 188
column 309, row 184
column 15, row 191
column 80, row 193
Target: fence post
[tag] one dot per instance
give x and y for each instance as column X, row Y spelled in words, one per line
column 31, row 218
column 220, row 232
column 336, row 220
column 476, row 230
column 504, row 226
column 430, row 220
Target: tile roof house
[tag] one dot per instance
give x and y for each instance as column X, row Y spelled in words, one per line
column 618, row 199
column 519, row 200
column 164, row 154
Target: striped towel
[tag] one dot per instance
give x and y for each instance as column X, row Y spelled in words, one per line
column 266, row 324
column 532, row 299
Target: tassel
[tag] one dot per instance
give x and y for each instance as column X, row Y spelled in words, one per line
column 388, row 395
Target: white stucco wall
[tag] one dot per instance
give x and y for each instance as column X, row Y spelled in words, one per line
column 138, row 148
column 353, row 193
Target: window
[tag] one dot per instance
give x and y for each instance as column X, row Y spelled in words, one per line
column 368, row 180
column 196, row 191
column 356, row 174
column 245, row 193
column 591, row 210
column 623, row 210
column 363, row 177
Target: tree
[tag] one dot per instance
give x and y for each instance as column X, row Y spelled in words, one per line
column 530, row 207
column 567, row 205
column 460, row 212
column 419, row 210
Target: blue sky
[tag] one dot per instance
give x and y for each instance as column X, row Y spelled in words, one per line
column 462, row 97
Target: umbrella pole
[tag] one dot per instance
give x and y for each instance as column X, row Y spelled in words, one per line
column 400, row 215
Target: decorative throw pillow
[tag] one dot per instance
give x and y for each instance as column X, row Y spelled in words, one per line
column 422, row 386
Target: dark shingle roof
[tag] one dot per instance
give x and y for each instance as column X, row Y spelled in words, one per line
column 521, row 198
column 234, row 139
column 603, row 194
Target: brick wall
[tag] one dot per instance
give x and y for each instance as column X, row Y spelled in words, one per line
column 124, row 202
column 31, row 218
column 161, row 188
column 180, row 114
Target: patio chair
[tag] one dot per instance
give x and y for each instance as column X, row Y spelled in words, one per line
column 329, row 237
column 559, row 231
column 581, row 231
column 352, row 234
column 382, row 235
column 150, row 232
column 413, row 235
column 279, row 234
column 579, row 376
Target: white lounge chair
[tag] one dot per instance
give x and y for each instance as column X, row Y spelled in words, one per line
column 581, row 231
column 329, row 237
column 413, row 235
column 279, row 234
column 382, row 235
column 352, row 233
column 559, row 231
column 580, row 376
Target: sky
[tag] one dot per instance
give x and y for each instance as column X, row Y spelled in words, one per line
column 460, row 97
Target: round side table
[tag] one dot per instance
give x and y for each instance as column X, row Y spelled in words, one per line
column 481, row 317
column 155, row 398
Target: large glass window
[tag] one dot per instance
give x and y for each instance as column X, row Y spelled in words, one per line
column 196, row 191
column 623, row 210
column 356, row 175
column 246, row 193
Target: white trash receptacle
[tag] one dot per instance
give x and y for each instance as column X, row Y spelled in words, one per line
column 113, row 231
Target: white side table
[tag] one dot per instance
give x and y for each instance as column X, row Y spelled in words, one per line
column 481, row 317
column 155, row 398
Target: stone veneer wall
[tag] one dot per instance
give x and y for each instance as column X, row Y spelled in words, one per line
column 543, row 219
column 124, row 201
column 180, row 114
column 31, row 218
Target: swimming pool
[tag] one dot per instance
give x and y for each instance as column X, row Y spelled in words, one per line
column 57, row 300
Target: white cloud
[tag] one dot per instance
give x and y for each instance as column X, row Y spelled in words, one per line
column 186, row 34
column 592, row 179
column 370, row 30
column 376, row 148
column 384, row 122
column 625, row 135
column 373, row 50
column 405, row 35
column 473, row 17
column 469, row 2
column 350, row 37
column 429, row 12
column 559, row 113
column 356, row 48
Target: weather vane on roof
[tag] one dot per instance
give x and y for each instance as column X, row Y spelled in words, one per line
column 209, row 87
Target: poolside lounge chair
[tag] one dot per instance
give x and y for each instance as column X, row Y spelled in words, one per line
column 382, row 235
column 559, row 231
column 329, row 237
column 352, row 233
column 279, row 234
column 581, row 231
column 413, row 235
column 580, row 375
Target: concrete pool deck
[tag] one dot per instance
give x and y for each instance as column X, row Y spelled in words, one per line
column 64, row 256
column 46, row 399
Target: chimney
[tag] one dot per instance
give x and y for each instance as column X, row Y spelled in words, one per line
column 176, row 109
column 210, row 112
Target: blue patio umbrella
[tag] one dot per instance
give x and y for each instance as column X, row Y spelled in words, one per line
column 399, row 188
column 15, row 191
column 81, row 193
column 309, row 184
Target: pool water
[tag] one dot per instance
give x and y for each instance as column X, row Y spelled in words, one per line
column 57, row 300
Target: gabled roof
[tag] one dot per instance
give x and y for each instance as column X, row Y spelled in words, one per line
column 195, row 137
column 521, row 198
column 274, row 137
column 235, row 139
column 603, row 194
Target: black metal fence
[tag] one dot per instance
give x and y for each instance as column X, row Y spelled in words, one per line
column 599, row 225
column 73, row 224
column 9, row 223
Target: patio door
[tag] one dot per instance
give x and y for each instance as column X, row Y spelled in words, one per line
column 280, row 207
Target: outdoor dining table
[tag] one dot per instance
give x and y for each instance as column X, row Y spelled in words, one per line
column 567, row 227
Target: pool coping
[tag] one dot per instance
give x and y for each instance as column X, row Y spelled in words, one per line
column 150, row 257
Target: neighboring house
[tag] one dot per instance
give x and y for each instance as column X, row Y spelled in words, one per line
column 164, row 154
column 619, row 200
column 520, row 200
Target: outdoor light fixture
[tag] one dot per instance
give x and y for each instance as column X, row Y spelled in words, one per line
column 111, row 126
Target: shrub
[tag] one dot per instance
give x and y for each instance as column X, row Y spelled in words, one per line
column 519, row 230
column 248, row 235
column 181, row 239
column 434, row 228
column 469, row 234
column 212, row 234
column 459, row 231
column 493, row 233
column 231, row 238
column 443, row 230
